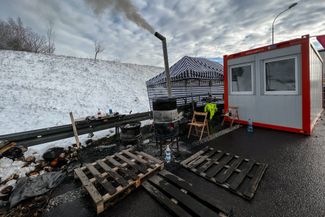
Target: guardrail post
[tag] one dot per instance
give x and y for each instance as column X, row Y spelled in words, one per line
column 75, row 132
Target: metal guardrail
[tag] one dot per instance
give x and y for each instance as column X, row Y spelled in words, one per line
column 39, row 136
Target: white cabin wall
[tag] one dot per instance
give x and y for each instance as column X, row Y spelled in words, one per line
column 279, row 110
column 316, row 67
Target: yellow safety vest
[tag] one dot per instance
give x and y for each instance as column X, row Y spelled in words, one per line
column 211, row 108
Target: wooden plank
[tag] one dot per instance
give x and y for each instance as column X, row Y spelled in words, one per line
column 74, row 128
column 177, row 210
column 128, row 173
column 194, row 156
column 140, row 168
column 113, row 161
column 95, row 195
column 112, row 173
column 213, row 201
column 210, row 162
column 197, row 208
column 101, row 180
column 135, row 157
column 150, row 157
column 200, row 160
column 107, row 185
column 229, row 171
column 212, row 172
column 6, row 147
column 250, row 191
column 240, row 177
column 93, row 170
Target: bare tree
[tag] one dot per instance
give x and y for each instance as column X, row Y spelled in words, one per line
column 50, row 37
column 14, row 36
column 98, row 49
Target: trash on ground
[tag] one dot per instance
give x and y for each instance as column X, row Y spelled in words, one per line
column 28, row 187
column 52, row 153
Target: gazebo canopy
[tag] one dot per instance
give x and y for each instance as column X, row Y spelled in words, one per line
column 190, row 68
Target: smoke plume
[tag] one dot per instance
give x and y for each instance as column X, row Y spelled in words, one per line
column 124, row 6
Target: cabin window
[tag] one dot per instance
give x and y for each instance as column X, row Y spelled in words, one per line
column 241, row 79
column 280, row 76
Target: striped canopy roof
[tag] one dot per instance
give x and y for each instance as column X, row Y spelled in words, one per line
column 191, row 68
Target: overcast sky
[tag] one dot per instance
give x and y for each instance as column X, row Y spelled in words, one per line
column 209, row 28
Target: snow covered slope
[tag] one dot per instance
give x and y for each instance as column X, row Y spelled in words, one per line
column 39, row 90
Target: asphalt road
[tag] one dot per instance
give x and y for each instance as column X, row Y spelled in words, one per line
column 293, row 185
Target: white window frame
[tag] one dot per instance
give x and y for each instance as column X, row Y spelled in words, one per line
column 252, row 80
column 282, row 92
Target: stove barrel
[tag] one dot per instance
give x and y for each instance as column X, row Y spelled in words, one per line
column 164, row 46
column 165, row 117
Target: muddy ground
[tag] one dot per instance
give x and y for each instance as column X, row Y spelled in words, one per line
column 293, row 185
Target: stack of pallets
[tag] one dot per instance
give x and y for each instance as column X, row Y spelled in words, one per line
column 183, row 198
column 110, row 179
column 236, row 173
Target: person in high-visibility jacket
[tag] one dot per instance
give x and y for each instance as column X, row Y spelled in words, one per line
column 211, row 108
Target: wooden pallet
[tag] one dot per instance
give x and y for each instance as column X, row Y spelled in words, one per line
column 110, row 179
column 182, row 198
column 233, row 172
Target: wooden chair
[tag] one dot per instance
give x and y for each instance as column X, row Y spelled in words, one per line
column 199, row 123
column 231, row 115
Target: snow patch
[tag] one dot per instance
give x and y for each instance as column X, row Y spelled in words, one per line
column 39, row 91
column 9, row 167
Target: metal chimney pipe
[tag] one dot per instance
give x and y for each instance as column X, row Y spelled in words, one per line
column 164, row 46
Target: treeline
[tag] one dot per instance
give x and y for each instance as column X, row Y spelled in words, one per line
column 15, row 36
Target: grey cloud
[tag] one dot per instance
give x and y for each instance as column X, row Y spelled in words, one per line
column 197, row 28
column 125, row 7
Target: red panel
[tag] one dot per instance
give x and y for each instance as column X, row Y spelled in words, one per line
column 274, row 127
column 269, row 47
column 225, row 82
column 321, row 40
column 306, row 123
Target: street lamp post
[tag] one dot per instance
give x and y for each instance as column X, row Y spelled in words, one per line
column 291, row 6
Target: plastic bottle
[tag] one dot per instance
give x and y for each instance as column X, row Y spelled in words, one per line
column 99, row 112
column 168, row 154
column 250, row 126
column 108, row 111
